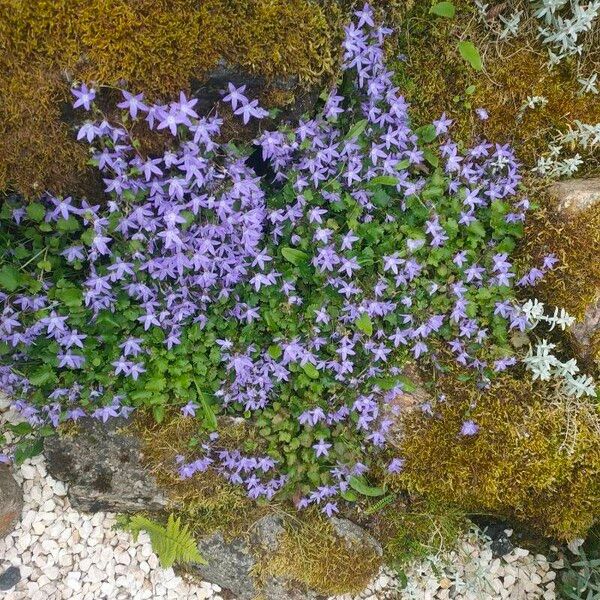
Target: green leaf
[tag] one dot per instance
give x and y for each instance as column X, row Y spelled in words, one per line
column 356, row 129
column 209, row 413
column 9, row 278
column 36, row 212
column 477, row 229
column 275, row 351
column 296, row 257
column 362, row 487
column 27, row 450
column 365, row 324
column 426, row 133
column 382, row 503
column 443, row 9
column 71, row 297
column 41, row 376
column 310, row 370
column 431, row 158
column 407, row 385
column 470, row 53
column 21, row 428
column 158, row 412
column 349, row 496
column 67, row 225
column 383, row 180
column 172, row 544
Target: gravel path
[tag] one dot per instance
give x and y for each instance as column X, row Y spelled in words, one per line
column 64, row 554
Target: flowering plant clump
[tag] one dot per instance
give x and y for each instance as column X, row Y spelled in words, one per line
column 292, row 301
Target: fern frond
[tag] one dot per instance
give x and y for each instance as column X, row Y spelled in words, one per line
column 380, row 504
column 172, row 544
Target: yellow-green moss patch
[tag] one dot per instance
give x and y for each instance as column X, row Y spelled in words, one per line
column 575, row 282
column 152, row 46
column 536, row 457
column 205, row 501
column 311, row 552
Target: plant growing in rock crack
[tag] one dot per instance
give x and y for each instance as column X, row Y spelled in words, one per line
column 292, row 302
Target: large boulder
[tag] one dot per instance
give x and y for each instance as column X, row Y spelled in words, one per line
column 102, row 464
column 573, row 198
column 11, row 501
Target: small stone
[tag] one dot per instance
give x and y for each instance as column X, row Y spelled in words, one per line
column 39, row 527
column 521, row 552
column 11, row 501
column 445, row 583
column 10, row 578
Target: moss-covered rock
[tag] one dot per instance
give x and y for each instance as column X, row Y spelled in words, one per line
column 435, row 79
column 536, row 457
column 145, row 45
column 569, row 227
column 155, row 47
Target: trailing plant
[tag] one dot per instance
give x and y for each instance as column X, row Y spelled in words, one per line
column 290, row 296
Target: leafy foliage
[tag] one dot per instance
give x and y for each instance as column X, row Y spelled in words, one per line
column 443, row 9
column 172, row 542
column 581, row 578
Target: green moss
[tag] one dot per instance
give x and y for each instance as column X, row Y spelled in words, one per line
column 575, row 283
column 146, row 45
column 414, row 528
column 310, row 552
column 536, row 457
column 436, row 79
column 206, row 502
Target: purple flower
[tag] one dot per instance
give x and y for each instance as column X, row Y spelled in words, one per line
column 132, row 103
column 83, row 96
column 249, row 110
column 469, row 428
column 189, row 410
column 72, row 361
column 236, row 96
column 442, row 124
column 330, row 509
column 549, row 261
column 321, row 448
column 396, row 465
column 105, row 413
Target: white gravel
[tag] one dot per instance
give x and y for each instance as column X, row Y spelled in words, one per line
column 470, row 572
column 64, row 554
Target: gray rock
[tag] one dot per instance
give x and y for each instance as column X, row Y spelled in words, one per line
column 103, row 466
column 231, row 563
column 573, row 197
column 209, row 91
column 10, row 578
column 11, row 501
column 583, row 331
column 354, row 534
